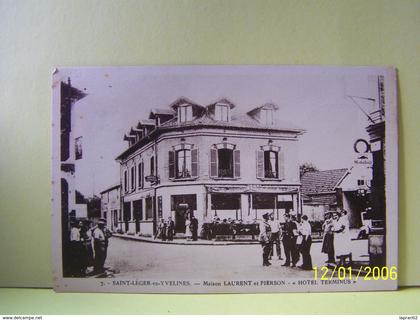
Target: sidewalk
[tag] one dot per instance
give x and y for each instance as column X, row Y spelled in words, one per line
column 181, row 241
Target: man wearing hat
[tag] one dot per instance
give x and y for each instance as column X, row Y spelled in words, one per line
column 264, row 238
column 289, row 241
column 100, row 246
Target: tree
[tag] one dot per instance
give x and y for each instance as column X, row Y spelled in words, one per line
column 307, row 167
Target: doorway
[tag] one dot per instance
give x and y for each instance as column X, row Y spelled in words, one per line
column 180, row 217
column 183, row 206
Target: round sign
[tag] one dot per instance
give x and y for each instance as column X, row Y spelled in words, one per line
column 361, row 146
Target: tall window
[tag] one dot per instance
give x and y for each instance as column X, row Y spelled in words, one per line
column 225, row 161
column 152, row 166
column 183, row 163
column 270, row 164
column 184, row 113
column 125, row 181
column 266, row 116
column 222, row 112
column 133, row 177
column 140, row 175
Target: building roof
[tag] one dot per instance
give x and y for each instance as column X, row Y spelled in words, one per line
column 268, row 105
column 184, row 101
column 322, row 181
column 160, row 111
column 223, row 101
column 204, row 117
column 146, row 122
column 116, row 186
column 241, row 121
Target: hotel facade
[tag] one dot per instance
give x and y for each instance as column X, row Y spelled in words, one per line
column 206, row 161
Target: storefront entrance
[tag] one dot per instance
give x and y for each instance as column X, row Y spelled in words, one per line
column 183, row 206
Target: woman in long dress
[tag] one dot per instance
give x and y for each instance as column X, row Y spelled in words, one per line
column 328, row 239
column 341, row 237
column 188, row 233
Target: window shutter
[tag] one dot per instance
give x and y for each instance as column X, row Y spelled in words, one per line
column 213, row 163
column 194, row 162
column 236, row 163
column 281, row 165
column 189, row 113
column 171, row 164
column 260, row 164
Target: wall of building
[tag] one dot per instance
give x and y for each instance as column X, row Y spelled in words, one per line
column 247, row 142
column 110, row 206
column 315, row 212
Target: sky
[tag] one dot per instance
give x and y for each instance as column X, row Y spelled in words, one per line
column 315, row 99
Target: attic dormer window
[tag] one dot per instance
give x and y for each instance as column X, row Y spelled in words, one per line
column 184, row 113
column 222, row 112
column 267, row 116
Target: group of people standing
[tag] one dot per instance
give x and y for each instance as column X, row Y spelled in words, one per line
column 88, row 247
column 295, row 236
column 165, row 230
column 336, row 237
column 191, row 228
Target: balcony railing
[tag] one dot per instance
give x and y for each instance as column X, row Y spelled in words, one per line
column 225, row 173
column 377, row 116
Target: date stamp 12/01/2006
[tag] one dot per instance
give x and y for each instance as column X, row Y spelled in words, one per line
column 365, row 273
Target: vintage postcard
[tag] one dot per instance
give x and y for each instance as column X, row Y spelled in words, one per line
column 224, row 179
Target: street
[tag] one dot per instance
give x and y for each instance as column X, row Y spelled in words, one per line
column 143, row 260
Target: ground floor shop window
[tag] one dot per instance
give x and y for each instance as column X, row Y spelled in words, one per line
column 225, row 201
column 149, row 208
column 226, row 206
column 137, row 213
column 138, row 210
column 127, row 214
column 286, row 205
column 263, row 201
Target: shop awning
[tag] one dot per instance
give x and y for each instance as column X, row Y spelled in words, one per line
column 251, row 189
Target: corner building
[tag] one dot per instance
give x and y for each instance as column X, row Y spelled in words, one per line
column 204, row 160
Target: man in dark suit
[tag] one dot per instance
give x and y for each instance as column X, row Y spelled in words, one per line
column 194, row 228
column 170, row 229
column 289, row 241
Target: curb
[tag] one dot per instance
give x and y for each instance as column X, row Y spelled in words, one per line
column 187, row 243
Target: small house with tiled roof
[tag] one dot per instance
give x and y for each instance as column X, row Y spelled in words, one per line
column 206, row 160
column 346, row 188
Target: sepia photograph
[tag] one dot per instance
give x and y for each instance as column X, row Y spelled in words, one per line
column 224, row 179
